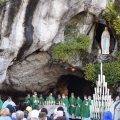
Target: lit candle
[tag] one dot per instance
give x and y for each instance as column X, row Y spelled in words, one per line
column 103, row 90
column 102, row 103
column 100, row 91
column 97, row 83
column 102, row 97
column 103, row 78
column 95, row 90
column 106, row 84
column 110, row 97
column 99, row 104
column 98, row 97
column 98, row 109
column 93, row 108
column 108, row 91
column 101, row 72
column 105, row 97
column 93, row 96
column 99, row 77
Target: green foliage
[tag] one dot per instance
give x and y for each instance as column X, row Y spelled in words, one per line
column 113, row 17
column 110, row 70
column 74, row 44
column 89, row 72
column 1, row 3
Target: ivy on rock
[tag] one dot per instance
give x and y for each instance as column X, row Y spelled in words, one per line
column 110, row 70
column 73, row 44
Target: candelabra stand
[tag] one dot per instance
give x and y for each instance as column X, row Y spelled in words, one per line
column 101, row 99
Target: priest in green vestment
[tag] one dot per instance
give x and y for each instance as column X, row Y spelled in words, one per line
column 34, row 101
column 78, row 108
column 41, row 100
column 85, row 114
column 64, row 101
column 67, row 103
column 72, row 101
column 58, row 100
column 50, row 98
column 1, row 103
column 27, row 98
column 89, row 103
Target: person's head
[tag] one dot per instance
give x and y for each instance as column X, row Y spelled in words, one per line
column 72, row 94
column 85, row 97
column 59, row 113
column 60, row 109
column 14, row 115
column 9, row 98
column 11, row 108
column 35, row 93
column 63, row 95
column 44, row 110
column 4, row 112
column 117, row 98
column 78, row 97
column 26, row 114
column 50, row 94
column 29, row 109
column 89, row 97
column 34, row 114
column 61, row 118
column 107, row 115
column 19, row 115
column 42, row 116
column 40, row 95
column 59, row 96
column 28, row 95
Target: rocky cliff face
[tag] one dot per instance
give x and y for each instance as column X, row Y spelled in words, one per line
column 28, row 29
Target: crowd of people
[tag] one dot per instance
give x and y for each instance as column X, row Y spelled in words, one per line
column 76, row 107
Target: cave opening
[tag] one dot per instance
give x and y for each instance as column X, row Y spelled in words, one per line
column 99, row 30
column 71, row 83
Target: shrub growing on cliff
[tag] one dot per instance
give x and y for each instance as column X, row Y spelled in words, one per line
column 113, row 17
column 74, row 44
column 110, row 70
column 1, row 3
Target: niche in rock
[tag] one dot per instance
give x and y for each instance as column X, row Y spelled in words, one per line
column 70, row 83
column 99, row 30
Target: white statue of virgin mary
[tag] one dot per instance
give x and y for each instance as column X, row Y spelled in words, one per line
column 105, row 41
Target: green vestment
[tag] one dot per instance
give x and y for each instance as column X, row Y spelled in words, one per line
column 27, row 99
column 1, row 103
column 85, row 109
column 89, row 103
column 41, row 101
column 78, row 107
column 49, row 98
column 72, row 101
column 65, row 102
column 58, row 100
column 34, row 102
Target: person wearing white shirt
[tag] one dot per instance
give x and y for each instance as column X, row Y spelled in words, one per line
column 8, row 101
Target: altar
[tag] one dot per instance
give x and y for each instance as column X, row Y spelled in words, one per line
column 51, row 108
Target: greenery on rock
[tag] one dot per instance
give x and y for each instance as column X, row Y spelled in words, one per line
column 74, row 44
column 1, row 3
column 113, row 17
column 110, row 70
